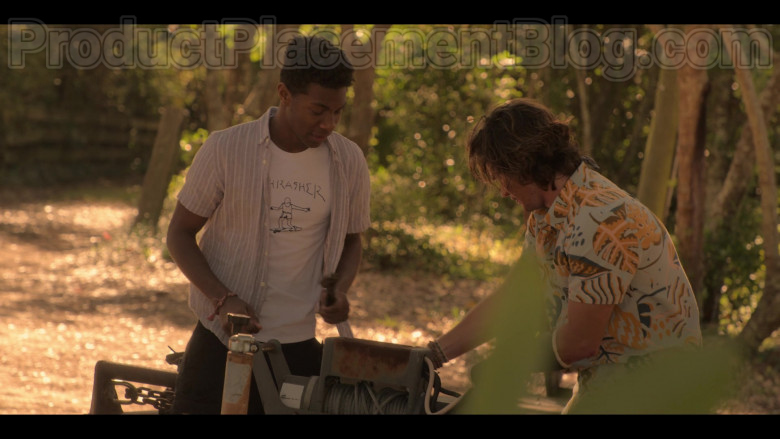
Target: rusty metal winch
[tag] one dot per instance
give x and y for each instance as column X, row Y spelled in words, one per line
column 356, row 377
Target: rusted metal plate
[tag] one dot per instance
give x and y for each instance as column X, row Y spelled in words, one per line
column 369, row 360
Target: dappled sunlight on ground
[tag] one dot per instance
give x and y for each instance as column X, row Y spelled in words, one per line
column 76, row 288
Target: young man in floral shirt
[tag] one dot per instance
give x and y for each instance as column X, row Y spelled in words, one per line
column 617, row 291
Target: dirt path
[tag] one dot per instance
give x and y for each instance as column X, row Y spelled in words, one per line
column 76, row 289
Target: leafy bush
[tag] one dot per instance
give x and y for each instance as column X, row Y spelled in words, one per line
column 734, row 266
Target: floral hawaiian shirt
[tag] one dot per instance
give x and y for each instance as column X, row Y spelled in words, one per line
column 598, row 245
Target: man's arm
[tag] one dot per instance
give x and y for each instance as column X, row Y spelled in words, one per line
column 479, row 326
column 473, row 330
column 578, row 339
column 183, row 247
column 346, row 271
column 581, row 335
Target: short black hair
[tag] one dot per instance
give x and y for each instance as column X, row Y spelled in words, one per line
column 315, row 60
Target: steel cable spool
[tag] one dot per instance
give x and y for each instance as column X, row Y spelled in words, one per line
column 360, row 399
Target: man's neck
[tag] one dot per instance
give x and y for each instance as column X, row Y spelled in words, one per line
column 550, row 195
column 276, row 130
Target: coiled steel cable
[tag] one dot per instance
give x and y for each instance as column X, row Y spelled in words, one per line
column 360, row 399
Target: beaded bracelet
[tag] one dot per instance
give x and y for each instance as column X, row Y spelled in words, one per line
column 438, row 354
column 219, row 304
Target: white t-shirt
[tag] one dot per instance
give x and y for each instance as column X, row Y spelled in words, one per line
column 299, row 216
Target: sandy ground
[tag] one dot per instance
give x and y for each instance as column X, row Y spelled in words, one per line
column 76, row 289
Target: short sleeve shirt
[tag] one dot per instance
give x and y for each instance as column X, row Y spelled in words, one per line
column 598, row 245
column 228, row 184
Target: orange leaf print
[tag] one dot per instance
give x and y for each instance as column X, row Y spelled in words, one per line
column 561, row 209
column 579, row 266
column 614, row 241
column 626, row 329
column 647, row 230
column 565, row 202
column 596, row 194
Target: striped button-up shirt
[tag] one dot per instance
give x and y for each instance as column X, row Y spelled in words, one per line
column 227, row 183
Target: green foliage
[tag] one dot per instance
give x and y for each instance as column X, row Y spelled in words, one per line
column 428, row 211
column 190, row 143
column 419, row 169
column 67, row 123
column 734, row 258
column 675, row 382
column 424, row 117
column 503, row 378
column 131, row 91
column 456, row 252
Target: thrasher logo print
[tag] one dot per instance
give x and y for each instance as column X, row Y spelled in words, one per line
column 286, row 218
column 287, row 209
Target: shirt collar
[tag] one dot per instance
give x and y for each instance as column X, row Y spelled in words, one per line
column 265, row 119
column 265, row 131
column 559, row 210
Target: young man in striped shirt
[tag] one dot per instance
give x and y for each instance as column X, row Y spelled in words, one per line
column 258, row 255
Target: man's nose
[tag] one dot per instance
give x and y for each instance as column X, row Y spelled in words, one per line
column 329, row 122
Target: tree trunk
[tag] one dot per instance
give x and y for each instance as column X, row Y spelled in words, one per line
column 582, row 97
column 158, row 175
column 670, row 193
column 217, row 118
column 361, row 120
column 641, row 115
column 654, row 181
column 689, row 221
column 766, row 317
column 606, row 97
column 241, row 78
column 743, row 163
column 731, row 188
column 264, row 94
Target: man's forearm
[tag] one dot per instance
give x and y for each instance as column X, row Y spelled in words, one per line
column 184, row 249
column 349, row 264
column 472, row 331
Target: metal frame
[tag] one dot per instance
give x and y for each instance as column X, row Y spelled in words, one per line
column 104, row 397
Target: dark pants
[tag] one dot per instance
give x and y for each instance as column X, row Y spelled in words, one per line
column 202, row 372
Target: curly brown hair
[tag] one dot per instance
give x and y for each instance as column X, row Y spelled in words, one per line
column 523, row 140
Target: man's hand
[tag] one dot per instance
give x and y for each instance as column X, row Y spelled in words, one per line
column 337, row 311
column 434, row 352
column 235, row 305
column 183, row 246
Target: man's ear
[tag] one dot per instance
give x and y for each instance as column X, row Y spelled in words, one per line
column 284, row 93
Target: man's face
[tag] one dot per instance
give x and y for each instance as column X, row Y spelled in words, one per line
column 313, row 115
column 530, row 195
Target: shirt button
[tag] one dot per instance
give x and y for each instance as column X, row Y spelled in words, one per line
column 262, row 284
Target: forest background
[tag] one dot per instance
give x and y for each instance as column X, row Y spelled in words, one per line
column 682, row 117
